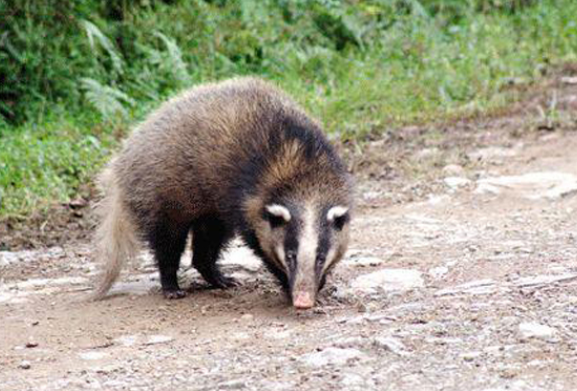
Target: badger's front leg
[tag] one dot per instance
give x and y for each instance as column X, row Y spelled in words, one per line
column 209, row 236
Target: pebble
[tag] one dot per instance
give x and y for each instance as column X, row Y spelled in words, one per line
column 330, row 356
column 247, row 317
column 388, row 280
column 126, row 340
column 391, row 344
column 92, row 355
column 471, row 356
column 232, row 385
column 363, row 261
column 24, row 364
column 533, row 186
column 156, row 339
column 453, row 170
column 455, row 182
column 536, row 330
column 439, row 271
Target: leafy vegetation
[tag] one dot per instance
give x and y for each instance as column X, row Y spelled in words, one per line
column 74, row 75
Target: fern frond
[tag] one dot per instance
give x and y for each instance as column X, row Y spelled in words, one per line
column 97, row 37
column 109, row 101
column 174, row 59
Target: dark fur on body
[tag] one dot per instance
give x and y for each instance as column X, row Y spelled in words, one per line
column 209, row 161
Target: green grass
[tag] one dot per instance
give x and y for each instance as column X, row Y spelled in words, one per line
column 72, row 75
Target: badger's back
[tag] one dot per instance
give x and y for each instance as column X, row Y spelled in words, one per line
column 190, row 153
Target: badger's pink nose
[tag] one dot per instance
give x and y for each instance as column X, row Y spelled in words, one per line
column 303, row 300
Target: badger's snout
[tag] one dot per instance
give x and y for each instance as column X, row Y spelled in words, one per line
column 303, row 300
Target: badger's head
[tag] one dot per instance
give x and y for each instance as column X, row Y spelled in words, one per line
column 301, row 242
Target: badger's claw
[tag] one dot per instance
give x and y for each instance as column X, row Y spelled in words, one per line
column 173, row 294
column 217, row 280
column 224, row 282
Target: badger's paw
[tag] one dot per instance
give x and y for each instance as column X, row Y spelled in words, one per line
column 173, row 294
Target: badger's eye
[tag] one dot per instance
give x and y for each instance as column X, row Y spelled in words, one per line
column 275, row 221
column 339, row 222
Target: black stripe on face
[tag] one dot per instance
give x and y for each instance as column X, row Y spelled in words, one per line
column 324, row 244
column 291, row 247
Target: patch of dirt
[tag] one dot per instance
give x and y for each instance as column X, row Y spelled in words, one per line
column 449, row 284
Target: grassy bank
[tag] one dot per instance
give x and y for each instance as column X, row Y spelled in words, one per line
column 74, row 77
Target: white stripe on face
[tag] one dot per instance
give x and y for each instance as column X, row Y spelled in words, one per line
column 279, row 251
column 336, row 212
column 279, row 211
column 305, row 279
column 330, row 258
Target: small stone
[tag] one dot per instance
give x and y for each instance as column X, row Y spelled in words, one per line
column 533, row 186
column 471, row 356
column 391, row 344
column 92, row 355
column 232, row 385
column 247, row 317
column 352, row 380
column 156, row 339
column 439, row 271
column 31, row 344
column 24, row 364
column 126, row 340
column 455, row 182
column 330, row 356
column 453, row 170
column 569, row 79
column 388, row 280
column 363, row 261
column 536, row 330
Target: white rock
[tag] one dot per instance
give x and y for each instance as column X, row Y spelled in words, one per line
column 533, row 186
column 362, row 261
column 330, row 356
column 247, row 317
column 391, row 344
column 455, row 182
column 352, row 380
column 536, row 330
column 437, row 199
column 453, row 170
column 569, row 79
column 388, row 280
column 94, row 355
column 126, row 340
column 439, row 271
column 236, row 384
column 156, row 339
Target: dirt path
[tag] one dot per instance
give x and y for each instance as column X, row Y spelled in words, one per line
column 473, row 286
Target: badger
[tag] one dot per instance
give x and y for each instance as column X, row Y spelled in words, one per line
column 233, row 158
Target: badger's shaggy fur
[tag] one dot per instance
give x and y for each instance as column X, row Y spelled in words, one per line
column 236, row 157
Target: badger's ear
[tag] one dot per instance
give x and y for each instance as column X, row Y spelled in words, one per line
column 278, row 214
column 336, row 212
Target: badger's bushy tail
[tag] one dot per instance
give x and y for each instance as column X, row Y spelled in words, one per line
column 115, row 241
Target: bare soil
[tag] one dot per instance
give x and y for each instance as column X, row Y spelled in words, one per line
column 476, row 283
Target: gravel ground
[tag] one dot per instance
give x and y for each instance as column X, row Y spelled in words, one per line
column 469, row 284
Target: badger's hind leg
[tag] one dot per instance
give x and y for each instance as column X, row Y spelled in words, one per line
column 168, row 241
column 208, row 239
